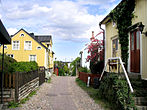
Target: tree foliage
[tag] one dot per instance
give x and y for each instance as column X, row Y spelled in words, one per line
column 96, row 55
column 73, row 65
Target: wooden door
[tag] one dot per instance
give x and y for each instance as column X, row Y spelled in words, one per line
column 135, row 51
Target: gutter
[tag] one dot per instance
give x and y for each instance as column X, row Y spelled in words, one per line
column 103, row 40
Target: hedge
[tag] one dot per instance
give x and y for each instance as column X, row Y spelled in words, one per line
column 23, row 66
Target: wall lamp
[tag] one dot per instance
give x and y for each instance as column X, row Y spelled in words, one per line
column 141, row 27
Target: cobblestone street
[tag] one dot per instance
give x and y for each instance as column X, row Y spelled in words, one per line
column 61, row 94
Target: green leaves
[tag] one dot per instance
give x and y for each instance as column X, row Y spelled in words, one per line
column 123, row 15
column 116, row 91
column 23, row 66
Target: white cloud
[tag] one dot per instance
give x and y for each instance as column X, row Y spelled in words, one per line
column 36, row 10
column 95, row 2
column 65, row 20
column 12, row 31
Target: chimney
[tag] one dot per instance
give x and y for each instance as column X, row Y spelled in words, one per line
column 92, row 36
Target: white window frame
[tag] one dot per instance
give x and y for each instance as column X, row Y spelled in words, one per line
column 25, row 46
column 39, row 48
column 13, row 45
column 10, row 55
column 35, row 57
column 114, row 38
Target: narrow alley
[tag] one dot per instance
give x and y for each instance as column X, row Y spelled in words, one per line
column 61, row 94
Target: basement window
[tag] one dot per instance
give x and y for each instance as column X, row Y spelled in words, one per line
column 11, row 55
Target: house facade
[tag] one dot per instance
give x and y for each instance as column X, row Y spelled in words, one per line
column 137, row 61
column 29, row 47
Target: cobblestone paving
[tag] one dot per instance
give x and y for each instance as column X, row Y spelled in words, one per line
column 61, row 94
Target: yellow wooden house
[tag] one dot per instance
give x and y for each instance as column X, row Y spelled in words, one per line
column 137, row 61
column 29, row 47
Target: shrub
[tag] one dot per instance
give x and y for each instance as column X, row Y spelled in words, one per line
column 96, row 68
column 61, row 72
column 116, row 91
column 23, row 66
column 83, row 69
column 7, row 63
column 73, row 71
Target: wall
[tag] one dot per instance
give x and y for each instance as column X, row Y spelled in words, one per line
column 111, row 33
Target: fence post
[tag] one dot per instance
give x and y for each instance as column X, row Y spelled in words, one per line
column 16, row 87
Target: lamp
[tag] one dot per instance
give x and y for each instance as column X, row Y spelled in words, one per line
column 141, row 27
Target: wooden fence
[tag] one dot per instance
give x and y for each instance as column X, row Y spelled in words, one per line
column 20, row 77
column 23, row 82
column 9, row 81
column 84, row 77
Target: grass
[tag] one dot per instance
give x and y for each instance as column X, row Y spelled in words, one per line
column 49, row 80
column 15, row 104
column 93, row 93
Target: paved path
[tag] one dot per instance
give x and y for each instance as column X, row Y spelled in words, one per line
column 61, row 94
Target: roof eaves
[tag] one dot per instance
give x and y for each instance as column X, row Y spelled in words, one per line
column 5, row 38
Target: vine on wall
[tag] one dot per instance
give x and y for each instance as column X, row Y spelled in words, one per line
column 123, row 15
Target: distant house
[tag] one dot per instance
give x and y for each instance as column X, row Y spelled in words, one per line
column 137, row 61
column 29, row 47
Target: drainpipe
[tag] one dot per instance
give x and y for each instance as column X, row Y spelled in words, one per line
column 103, row 40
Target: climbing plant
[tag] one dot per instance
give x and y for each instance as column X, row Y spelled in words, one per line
column 122, row 15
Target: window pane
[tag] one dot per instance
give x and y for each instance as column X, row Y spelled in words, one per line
column 115, row 47
column 32, row 57
column 28, row 45
column 132, row 41
column 138, row 40
column 15, row 45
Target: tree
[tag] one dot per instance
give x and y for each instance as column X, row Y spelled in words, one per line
column 96, row 55
column 73, row 65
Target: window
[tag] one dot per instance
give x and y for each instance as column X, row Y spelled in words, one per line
column 114, row 47
column 138, row 40
column 28, row 45
column 32, row 58
column 39, row 48
column 113, row 24
column 10, row 55
column 5, row 47
column 21, row 35
column 15, row 45
column 132, row 41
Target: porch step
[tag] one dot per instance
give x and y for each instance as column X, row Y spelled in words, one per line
column 134, row 75
column 141, row 107
column 140, row 100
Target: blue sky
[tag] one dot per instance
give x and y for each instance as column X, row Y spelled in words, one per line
column 70, row 22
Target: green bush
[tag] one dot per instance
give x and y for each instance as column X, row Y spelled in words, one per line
column 7, row 63
column 83, row 69
column 61, row 72
column 23, row 66
column 73, row 71
column 116, row 91
column 96, row 68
